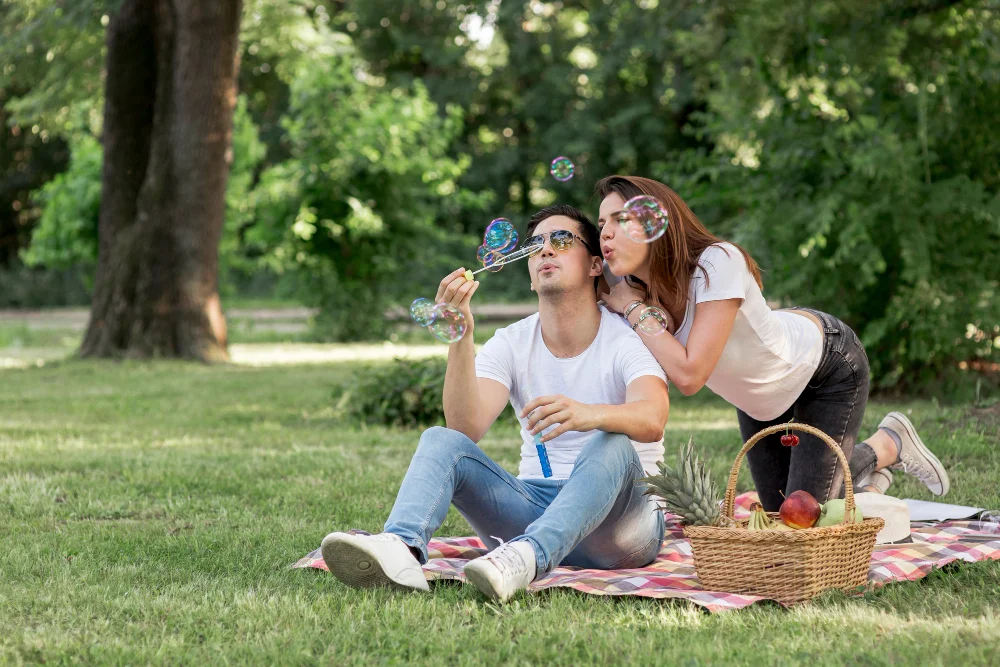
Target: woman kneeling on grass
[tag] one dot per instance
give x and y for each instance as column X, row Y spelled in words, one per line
column 772, row 365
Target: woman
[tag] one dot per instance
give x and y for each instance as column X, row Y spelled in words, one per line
column 772, row 365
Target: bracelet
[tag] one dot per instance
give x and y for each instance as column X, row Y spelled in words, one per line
column 632, row 306
column 641, row 318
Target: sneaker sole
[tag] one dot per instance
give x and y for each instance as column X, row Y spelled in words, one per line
column 356, row 567
column 482, row 582
column 905, row 424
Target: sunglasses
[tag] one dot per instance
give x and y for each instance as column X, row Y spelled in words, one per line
column 560, row 239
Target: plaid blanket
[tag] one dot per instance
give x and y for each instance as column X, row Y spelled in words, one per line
column 672, row 574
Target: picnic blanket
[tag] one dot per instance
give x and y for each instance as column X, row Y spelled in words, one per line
column 672, row 575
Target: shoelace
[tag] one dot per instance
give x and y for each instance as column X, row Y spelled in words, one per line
column 925, row 475
column 506, row 558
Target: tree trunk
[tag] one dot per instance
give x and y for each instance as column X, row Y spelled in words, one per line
column 169, row 96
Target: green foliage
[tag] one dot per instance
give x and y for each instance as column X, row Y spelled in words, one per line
column 356, row 203
column 406, row 392
column 849, row 146
column 66, row 235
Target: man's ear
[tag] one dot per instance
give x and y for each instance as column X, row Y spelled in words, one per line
column 596, row 267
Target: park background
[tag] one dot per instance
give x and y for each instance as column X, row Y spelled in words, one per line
column 307, row 168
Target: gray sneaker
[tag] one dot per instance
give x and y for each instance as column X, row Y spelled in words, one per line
column 364, row 561
column 877, row 479
column 914, row 457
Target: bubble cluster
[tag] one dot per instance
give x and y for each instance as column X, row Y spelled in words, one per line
column 652, row 321
column 562, row 169
column 500, row 238
column 644, row 219
column 422, row 311
column 500, row 235
column 448, row 324
column 493, row 261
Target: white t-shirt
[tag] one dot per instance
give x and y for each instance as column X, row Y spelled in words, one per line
column 770, row 355
column 518, row 358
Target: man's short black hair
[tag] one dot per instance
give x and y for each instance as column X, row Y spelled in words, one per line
column 588, row 230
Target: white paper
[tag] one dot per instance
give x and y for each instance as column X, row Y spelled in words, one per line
column 924, row 510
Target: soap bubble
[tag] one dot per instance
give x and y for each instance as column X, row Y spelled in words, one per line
column 652, row 321
column 511, row 244
column 422, row 311
column 562, row 168
column 448, row 324
column 644, row 219
column 499, row 234
column 482, row 252
column 493, row 261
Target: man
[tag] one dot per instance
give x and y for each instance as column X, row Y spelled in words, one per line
column 574, row 372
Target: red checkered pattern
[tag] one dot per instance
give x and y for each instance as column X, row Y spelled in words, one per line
column 672, row 574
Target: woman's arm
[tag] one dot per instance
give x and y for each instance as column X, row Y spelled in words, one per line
column 690, row 367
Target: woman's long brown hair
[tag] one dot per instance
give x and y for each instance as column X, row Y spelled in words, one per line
column 674, row 256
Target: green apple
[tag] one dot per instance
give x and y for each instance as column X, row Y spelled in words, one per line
column 832, row 513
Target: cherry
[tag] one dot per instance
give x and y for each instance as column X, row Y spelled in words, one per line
column 789, row 440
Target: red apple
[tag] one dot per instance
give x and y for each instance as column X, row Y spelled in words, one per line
column 800, row 510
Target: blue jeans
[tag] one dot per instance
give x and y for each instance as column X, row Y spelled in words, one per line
column 598, row 518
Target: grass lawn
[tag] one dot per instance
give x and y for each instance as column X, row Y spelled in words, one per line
column 150, row 512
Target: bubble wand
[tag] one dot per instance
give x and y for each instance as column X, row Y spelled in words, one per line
column 504, row 260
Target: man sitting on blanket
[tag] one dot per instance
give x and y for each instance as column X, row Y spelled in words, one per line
column 589, row 385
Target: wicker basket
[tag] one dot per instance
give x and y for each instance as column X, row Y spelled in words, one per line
column 787, row 566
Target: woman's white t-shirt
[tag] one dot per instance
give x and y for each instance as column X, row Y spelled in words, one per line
column 770, row 355
column 517, row 357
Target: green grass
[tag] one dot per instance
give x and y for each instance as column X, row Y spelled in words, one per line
column 150, row 512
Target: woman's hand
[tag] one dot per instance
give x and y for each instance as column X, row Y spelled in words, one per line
column 621, row 296
column 454, row 289
column 557, row 409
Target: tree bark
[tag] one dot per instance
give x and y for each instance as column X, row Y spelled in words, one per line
column 169, row 96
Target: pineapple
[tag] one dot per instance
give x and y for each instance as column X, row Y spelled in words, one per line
column 687, row 490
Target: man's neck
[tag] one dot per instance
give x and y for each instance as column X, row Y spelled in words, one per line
column 569, row 323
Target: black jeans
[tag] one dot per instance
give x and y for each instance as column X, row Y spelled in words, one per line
column 834, row 402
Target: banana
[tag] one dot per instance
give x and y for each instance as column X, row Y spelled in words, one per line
column 759, row 520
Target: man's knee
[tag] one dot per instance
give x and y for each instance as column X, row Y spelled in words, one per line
column 440, row 441
column 612, row 447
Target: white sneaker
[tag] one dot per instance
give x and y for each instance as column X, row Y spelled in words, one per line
column 503, row 571
column 914, row 457
column 877, row 479
column 364, row 561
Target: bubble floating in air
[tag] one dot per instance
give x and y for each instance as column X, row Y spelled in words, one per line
column 644, row 219
column 449, row 323
column 422, row 311
column 652, row 321
column 562, row 168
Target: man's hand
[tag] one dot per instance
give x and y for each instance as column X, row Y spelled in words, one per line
column 557, row 409
column 454, row 289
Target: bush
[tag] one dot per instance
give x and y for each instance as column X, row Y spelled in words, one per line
column 406, row 392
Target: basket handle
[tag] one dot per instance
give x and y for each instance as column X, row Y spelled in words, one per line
column 730, row 501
